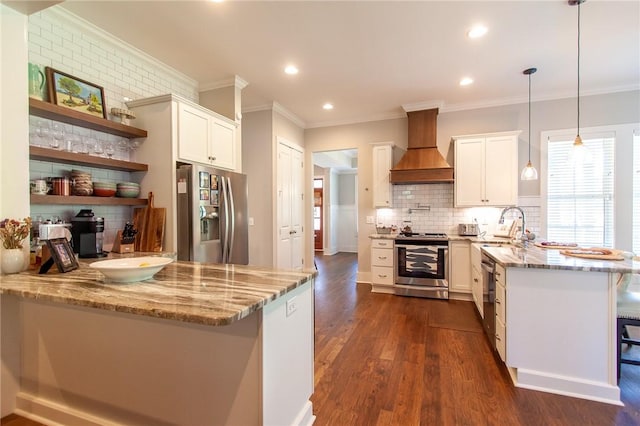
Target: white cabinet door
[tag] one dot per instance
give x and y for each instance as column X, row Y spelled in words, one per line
column 193, row 134
column 459, row 267
column 382, row 159
column 501, row 171
column 486, row 170
column 223, row 145
column 469, row 171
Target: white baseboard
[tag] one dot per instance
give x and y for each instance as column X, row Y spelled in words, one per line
column 305, row 417
column 363, row 277
column 52, row 413
column 568, row 386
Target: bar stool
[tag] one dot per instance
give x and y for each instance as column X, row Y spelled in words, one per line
column 628, row 315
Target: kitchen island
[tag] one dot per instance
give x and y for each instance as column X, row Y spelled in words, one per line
column 197, row 344
column 560, row 320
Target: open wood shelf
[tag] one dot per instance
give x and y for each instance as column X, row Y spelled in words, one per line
column 76, row 118
column 65, row 157
column 80, row 200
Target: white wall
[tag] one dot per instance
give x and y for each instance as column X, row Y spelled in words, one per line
column 346, row 219
column 258, row 151
column 14, row 177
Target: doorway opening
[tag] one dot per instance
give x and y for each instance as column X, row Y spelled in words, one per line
column 335, row 210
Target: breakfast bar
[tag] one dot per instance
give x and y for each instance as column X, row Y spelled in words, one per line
column 558, row 320
column 197, row 344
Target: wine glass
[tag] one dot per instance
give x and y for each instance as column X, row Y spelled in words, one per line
column 58, row 135
column 43, row 133
column 98, row 149
column 109, row 149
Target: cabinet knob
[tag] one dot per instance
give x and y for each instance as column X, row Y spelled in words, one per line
column 475, row 280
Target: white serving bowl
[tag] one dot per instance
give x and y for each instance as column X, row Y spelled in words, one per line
column 131, row 269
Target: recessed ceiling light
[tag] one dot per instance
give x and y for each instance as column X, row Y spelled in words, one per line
column 477, row 31
column 327, row 106
column 466, row 81
column 291, row 70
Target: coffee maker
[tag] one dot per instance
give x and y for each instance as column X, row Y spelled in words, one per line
column 86, row 234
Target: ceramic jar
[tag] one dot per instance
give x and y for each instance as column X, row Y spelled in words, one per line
column 12, row 261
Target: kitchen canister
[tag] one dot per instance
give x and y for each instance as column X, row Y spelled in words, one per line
column 61, row 185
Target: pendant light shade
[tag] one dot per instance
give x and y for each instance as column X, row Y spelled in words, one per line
column 578, row 151
column 529, row 172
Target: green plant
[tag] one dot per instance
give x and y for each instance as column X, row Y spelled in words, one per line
column 13, row 232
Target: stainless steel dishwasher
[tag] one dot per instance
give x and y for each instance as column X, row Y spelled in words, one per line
column 489, row 303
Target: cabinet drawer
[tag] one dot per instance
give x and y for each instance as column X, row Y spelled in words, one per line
column 382, row 275
column 501, row 342
column 501, row 275
column 501, row 299
column 381, row 257
column 382, row 243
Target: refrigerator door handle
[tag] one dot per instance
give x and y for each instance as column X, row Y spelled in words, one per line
column 232, row 209
column 225, row 243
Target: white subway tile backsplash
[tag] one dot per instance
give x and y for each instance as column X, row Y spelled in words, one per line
column 408, row 201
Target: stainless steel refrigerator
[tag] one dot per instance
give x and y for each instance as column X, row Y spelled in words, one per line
column 212, row 215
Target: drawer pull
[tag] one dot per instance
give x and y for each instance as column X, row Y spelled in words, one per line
column 475, row 280
column 498, row 301
column 382, row 275
column 382, row 257
column 498, row 338
column 382, row 244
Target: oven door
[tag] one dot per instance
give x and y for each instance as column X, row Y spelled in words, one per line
column 421, row 263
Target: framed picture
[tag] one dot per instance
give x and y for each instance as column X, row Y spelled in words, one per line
column 74, row 93
column 214, row 197
column 62, row 254
column 204, row 179
column 214, row 181
column 204, row 194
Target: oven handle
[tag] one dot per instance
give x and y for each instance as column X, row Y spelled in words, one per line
column 440, row 246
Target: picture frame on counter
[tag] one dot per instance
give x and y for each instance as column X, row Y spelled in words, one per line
column 75, row 93
column 62, row 254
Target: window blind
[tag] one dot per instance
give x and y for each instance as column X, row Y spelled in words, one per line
column 580, row 193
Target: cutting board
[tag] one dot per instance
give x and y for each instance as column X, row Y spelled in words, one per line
column 591, row 253
column 149, row 222
column 556, row 246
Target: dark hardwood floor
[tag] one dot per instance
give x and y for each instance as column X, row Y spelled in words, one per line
column 391, row 360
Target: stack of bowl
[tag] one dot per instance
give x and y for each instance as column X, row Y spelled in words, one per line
column 104, row 189
column 128, row 189
column 81, row 183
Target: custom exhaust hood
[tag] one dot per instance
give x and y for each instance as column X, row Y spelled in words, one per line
column 422, row 163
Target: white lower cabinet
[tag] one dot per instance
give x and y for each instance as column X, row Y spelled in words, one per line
column 477, row 286
column 382, row 266
column 459, row 267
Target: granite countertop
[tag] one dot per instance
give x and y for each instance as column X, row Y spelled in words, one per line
column 208, row 294
column 541, row 258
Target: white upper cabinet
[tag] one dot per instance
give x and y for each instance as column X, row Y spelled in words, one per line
column 385, row 155
column 486, row 169
column 205, row 138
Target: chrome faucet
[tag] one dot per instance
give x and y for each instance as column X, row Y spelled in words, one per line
column 524, row 233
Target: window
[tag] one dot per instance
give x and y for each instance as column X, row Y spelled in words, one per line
column 636, row 192
column 580, row 205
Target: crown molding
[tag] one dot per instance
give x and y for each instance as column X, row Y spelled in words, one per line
column 380, row 117
column 289, row 115
column 419, row 106
column 236, row 81
column 83, row 26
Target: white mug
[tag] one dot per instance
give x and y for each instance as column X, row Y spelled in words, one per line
column 39, row 187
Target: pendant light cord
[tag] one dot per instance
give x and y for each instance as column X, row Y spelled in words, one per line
column 578, row 101
column 529, row 118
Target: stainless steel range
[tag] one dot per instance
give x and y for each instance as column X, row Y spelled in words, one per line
column 421, row 261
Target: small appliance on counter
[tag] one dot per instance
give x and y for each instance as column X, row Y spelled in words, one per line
column 87, row 234
column 468, row 229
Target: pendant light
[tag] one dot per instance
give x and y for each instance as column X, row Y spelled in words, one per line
column 529, row 172
column 578, row 151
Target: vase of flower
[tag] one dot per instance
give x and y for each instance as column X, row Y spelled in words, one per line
column 12, row 261
column 12, row 234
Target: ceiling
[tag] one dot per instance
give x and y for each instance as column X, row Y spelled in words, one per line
column 371, row 58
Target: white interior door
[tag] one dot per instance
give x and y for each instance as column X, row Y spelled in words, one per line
column 290, row 250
